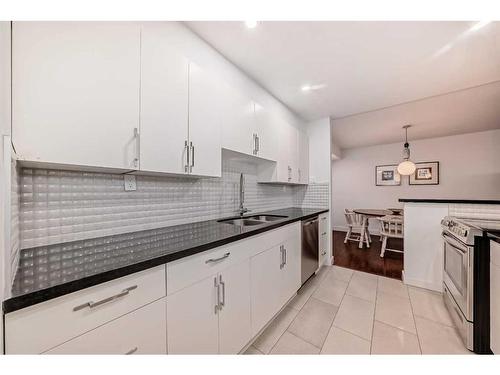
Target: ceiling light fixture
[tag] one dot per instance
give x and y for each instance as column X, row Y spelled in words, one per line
column 251, row 24
column 479, row 25
column 406, row 167
column 306, row 88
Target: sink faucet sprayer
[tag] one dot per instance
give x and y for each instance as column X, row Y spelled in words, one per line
column 242, row 209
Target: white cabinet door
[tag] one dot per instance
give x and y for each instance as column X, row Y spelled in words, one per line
column 287, row 161
column 192, row 319
column 204, row 123
column 495, row 297
column 291, row 269
column 237, row 121
column 235, row 328
column 164, row 103
column 143, row 331
column 303, row 158
column 266, row 291
column 75, row 92
column 267, row 132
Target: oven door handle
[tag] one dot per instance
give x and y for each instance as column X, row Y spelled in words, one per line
column 453, row 242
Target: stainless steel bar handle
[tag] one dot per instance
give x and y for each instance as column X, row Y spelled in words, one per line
column 92, row 304
column 192, row 155
column 258, row 142
column 284, row 255
column 217, row 292
column 223, row 284
column 311, row 222
column 213, row 260
column 137, row 137
column 254, row 151
column 282, row 261
column 132, row 351
column 186, row 149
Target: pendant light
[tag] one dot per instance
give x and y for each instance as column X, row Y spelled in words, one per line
column 406, row 167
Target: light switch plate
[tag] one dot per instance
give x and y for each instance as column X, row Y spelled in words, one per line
column 130, row 182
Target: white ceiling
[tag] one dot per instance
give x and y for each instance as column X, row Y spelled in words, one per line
column 365, row 65
column 463, row 111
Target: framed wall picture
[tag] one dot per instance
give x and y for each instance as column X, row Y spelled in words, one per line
column 387, row 175
column 426, row 174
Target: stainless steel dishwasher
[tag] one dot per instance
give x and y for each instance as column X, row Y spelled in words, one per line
column 310, row 248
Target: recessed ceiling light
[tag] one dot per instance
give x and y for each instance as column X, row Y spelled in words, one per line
column 479, row 25
column 307, row 88
column 251, row 24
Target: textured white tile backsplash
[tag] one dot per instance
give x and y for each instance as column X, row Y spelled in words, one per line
column 59, row 206
column 475, row 211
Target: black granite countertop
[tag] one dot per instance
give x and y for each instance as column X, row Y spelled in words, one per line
column 466, row 201
column 48, row 272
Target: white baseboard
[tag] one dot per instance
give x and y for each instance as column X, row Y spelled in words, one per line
column 422, row 284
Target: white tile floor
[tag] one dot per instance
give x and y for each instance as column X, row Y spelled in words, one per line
column 341, row 311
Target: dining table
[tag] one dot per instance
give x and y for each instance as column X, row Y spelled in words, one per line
column 369, row 213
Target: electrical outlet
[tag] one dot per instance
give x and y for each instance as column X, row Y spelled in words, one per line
column 129, row 182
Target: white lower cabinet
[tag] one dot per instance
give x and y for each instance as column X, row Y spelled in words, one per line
column 40, row 327
column 192, row 319
column 265, row 275
column 235, row 328
column 214, row 302
column 143, row 331
column 495, row 297
column 275, row 278
column 213, row 315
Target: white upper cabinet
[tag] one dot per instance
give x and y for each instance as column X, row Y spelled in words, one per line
column 267, row 133
column 75, row 92
column 164, row 103
column 205, row 154
column 303, row 158
column 238, row 121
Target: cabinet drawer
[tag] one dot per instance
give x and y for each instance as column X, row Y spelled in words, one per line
column 41, row 327
column 187, row 271
column 143, row 331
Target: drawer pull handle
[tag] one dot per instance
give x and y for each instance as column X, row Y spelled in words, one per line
column 323, row 253
column 92, row 304
column 211, row 260
column 323, row 234
column 131, row 351
column 323, row 218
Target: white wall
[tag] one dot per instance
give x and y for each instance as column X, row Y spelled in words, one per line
column 319, row 150
column 469, row 169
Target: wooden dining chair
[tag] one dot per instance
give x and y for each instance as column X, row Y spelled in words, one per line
column 391, row 226
column 357, row 228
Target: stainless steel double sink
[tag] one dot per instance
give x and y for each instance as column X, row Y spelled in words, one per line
column 249, row 221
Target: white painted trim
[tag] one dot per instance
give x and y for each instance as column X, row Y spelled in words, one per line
column 422, row 284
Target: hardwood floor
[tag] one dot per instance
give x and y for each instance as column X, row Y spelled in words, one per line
column 368, row 260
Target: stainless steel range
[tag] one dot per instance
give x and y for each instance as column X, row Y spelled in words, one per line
column 466, row 278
